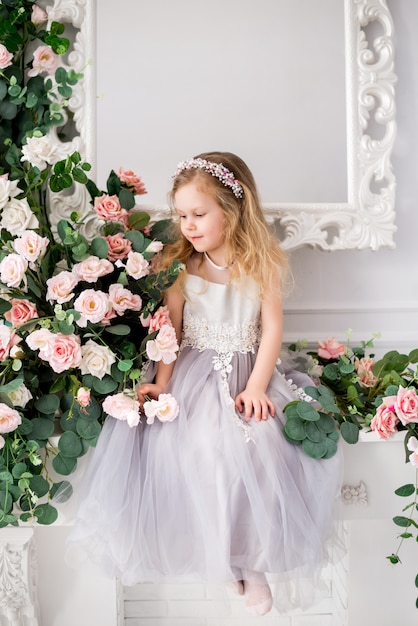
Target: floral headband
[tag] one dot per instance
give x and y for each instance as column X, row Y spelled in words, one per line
column 218, row 170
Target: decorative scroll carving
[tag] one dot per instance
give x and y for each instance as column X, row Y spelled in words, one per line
column 367, row 219
column 18, row 606
column 351, row 494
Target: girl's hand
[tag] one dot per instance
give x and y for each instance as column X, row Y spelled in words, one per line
column 152, row 390
column 254, row 403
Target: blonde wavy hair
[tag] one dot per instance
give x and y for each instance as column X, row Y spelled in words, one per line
column 251, row 243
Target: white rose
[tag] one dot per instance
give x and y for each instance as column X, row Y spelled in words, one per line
column 96, row 360
column 7, row 190
column 17, row 217
column 20, row 396
column 38, row 151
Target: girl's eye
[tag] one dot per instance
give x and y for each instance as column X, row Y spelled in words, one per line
column 200, row 214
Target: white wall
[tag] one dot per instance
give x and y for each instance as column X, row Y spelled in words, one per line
column 372, row 291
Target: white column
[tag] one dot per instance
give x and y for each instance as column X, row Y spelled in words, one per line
column 18, row 603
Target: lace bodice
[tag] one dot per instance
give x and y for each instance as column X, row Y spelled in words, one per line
column 221, row 317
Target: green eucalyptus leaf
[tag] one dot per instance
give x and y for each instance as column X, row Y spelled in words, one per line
column 314, row 433
column 316, row 450
column 64, row 465
column 42, row 428
column 295, row 429
column 127, row 200
column 61, row 492
column 99, row 247
column 39, row 485
column 69, row 444
column 47, row 404
column 349, row 432
column 307, row 412
column 46, row 514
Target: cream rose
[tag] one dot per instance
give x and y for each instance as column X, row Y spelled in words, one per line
column 60, row 287
column 122, row 299
column 121, row 406
column 17, row 217
column 165, row 408
column 164, row 346
column 31, row 246
column 41, row 340
column 93, row 305
column 20, row 396
column 12, row 270
column 92, row 268
column 96, row 360
column 44, row 60
column 136, row 266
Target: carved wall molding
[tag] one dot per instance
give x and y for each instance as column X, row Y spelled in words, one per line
column 18, row 602
column 367, row 219
column 354, row 494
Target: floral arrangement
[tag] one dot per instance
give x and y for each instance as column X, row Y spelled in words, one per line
column 79, row 319
column 354, row 391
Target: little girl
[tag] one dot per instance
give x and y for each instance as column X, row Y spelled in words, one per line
column 218, row 495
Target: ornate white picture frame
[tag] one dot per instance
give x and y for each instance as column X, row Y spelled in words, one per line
column 367, row 218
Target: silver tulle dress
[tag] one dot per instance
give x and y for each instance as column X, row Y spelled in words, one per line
column 208, row 496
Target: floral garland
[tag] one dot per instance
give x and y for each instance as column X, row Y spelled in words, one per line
column 78, row 318
column 354, row 392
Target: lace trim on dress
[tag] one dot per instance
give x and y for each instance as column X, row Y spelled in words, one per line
column 225, row 339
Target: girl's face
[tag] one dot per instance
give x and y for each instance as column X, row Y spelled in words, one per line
column 201, row 221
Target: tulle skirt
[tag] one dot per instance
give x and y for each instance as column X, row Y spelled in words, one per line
column 194, row 501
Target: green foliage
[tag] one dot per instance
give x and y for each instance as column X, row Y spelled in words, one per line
column 51, row 425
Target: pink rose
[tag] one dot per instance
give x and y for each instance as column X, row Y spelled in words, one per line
column 330, row 349
column 60, row 287
column 121, row 406
column 412, row 445
column 132, row 180
column 44, row 60
column 41, row 340
column 164, row 346
column 119, row 247
column 31, row 246
column 110, row 315
column 92, row 268
column 406, row 405
column 108, row 208
column 165, row 408
column 39, row 16
column 12, row 270
column 156, row 321
column 93, row 305
column 83, row 396
column 385, row 420
column 2, row 442
column 9, row 419
column 364, row 369
column 136, row 265
column 123, row 299
column 6, row 57
column 65, row 352
column 22, row 311
column 8, row 339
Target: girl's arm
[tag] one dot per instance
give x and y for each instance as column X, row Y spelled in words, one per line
column 174, row 300
column 253, row 400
